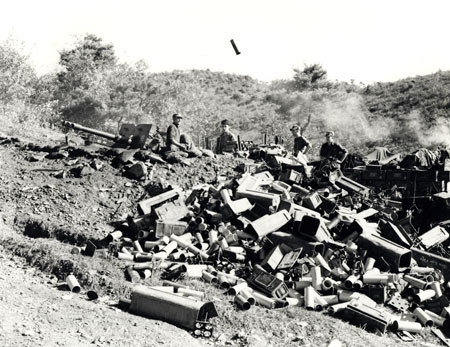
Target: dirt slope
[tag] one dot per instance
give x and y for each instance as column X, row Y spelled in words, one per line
column 47, row 207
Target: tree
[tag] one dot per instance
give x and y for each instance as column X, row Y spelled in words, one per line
column 82, row 86
column 130, row 92
column 312, row 76
column 16, row 75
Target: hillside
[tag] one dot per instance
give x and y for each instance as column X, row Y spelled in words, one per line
column 420, row 107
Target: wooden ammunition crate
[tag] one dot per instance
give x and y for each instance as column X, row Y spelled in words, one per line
column 374, row 175
column 398, row 175
column 425, row 176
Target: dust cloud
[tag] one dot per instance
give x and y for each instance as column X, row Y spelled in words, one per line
column 428, row 135
column 350, row 120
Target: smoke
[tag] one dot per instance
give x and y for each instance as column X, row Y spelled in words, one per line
column 427, row 135
column 348, row 117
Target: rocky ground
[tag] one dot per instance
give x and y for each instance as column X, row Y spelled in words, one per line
column 53, row 199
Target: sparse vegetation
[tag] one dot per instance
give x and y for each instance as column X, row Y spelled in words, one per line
column 94, row 89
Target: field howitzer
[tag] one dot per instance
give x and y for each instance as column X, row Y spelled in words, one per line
column 130, row 135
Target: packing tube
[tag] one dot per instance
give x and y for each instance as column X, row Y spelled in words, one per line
column 436, row 286
column 304, row 282
column 424, row 295
column 310, row 295
column 369, row 264
column 209, row 277
column 137, row 246
column 350, row 281
column 212, row 236
column 330, row 299
column 73, row 284
column 187, row 244
column 415, row 282
column 295, row 301
column 124, row 256
column 437, row 320
column 247, row 295
column 263, row 300
column 316, row 276
column 242, row 302
column 190, row 292
column 423, row 317
column 413, row 327
column 236, row 289
column 337, row 308
column 328, row 284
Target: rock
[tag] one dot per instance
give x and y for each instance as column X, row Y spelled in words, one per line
column 137, row 171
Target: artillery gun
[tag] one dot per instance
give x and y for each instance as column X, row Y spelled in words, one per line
column 130, row 135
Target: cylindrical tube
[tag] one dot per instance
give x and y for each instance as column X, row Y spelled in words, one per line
column 199, row 237
column 423, row 296
column 346, row 295
column 415, row 282
column 350, row 281
column 334, row 222
column 211, row 269
column 295, row 301
column 437, row 320
column 176, row 255
column 170, row 247
column 304, row 282
column 209, row 277
column 76, row 250
column 73, row 284
column 263, row 300
column 328, row 284
column 310, row 295
column 146, row 273
column 143, row 234
column 421, row 270
column 237, row 288
column 319, row 260
column 345, row 267
column 247, row 295
column 223, row 242
column 115, row 235
column 330, row 299
column 337, row 308
column 400, row 325
column 186, row 244
column 212, row 236
column 369, row 264
column 316, row 276
column 137, row 246
column 358, row 285
column 125, row 256
column 202, row 227
column 351, row 247
column 375, row 279
column 199, row 220
column 224, row 281
column 436, row 286
column 423, row 317
column 241, row 302
column 319, row 302
column 143, row 266
column 167, row 283
column 191, row 292
column 225, row 195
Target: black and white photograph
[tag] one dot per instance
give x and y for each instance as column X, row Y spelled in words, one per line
column 225, row 173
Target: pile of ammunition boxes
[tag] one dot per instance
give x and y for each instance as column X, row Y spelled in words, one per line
column 267, row 240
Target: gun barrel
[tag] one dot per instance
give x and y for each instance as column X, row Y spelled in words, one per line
column 94, row 131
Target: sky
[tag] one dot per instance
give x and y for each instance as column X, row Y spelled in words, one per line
column 361, row 40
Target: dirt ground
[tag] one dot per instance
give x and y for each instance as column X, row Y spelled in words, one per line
column 39, row 310
column 55, row 198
